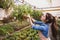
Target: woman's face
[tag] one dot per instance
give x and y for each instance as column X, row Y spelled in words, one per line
column 43, row 18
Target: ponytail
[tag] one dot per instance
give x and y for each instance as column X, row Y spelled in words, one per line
column 51, row 20
column 53, row 28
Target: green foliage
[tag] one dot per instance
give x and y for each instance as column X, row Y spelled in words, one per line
column 58, row 21
column 21, row 10
column 12, row 27
column 19, row 25
column 26, row 34
column 2, row 32
column 36, row 14
column 6, row 3
column 6, row 29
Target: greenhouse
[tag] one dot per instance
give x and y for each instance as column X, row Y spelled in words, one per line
column 29, row 19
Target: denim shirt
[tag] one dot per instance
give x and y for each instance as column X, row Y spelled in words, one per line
column 42, row 27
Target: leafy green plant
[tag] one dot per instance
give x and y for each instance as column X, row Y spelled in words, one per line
column 6, row 29
column 26, row 34
column 6, row 3
column 36, row 14
column 21, row 10
column 3, row 32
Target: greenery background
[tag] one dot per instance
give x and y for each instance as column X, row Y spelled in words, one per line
column 18, row 28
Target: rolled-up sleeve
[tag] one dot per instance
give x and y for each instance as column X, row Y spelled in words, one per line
column 38, row 27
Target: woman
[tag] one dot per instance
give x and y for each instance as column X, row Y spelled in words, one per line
column 43, row 25
column 53, row 28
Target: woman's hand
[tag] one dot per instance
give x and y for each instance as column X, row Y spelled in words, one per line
column 28, row 15
column 30, row 19
column 33, row 19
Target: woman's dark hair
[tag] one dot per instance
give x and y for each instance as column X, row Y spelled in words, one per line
column 51, row 19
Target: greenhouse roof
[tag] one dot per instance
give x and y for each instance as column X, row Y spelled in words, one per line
column 41, row 3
